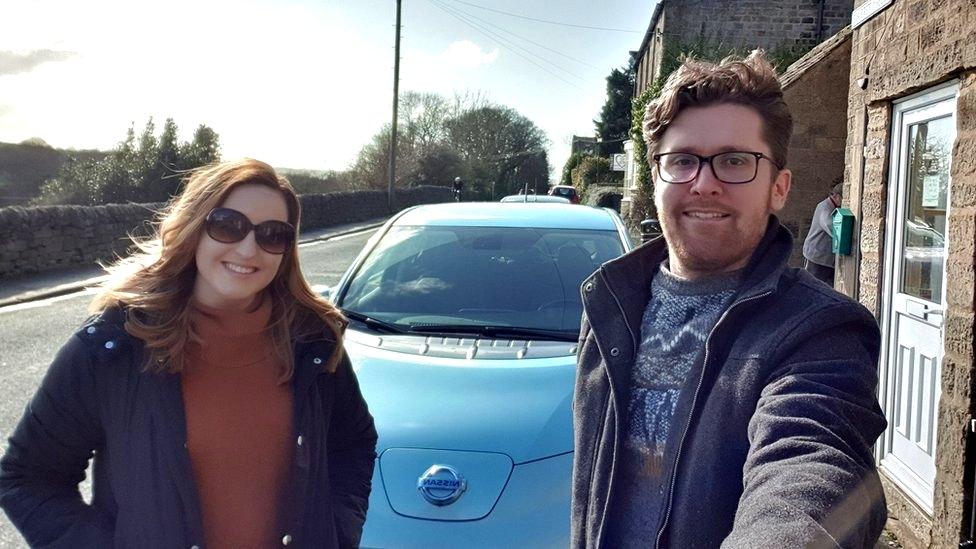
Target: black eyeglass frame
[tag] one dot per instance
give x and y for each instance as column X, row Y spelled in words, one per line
column 702, row 160
column 250, row 226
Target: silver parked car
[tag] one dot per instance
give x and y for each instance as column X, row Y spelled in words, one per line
column 465, row 320
column 535, row 198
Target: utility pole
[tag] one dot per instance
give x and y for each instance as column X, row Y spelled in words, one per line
column 396, row 101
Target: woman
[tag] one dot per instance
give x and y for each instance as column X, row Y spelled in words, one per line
column 211, row 388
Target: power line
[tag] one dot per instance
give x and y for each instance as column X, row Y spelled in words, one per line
column 561, row 24
column 543, row 46
column 501, row 41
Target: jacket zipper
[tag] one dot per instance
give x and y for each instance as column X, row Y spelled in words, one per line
column 606, row 408
column 694, row 403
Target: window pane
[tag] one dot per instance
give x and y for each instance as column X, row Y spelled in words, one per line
column 929, row 152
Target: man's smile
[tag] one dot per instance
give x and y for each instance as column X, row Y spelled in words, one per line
column 705, row 214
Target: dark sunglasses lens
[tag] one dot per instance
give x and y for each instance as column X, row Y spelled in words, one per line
column 228, row 226
column 274, row 236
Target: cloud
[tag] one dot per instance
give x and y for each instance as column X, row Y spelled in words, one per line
column 442, row 71
column 467, row 55
column 16, row 63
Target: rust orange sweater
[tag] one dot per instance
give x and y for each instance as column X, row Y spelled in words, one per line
column 239, row 426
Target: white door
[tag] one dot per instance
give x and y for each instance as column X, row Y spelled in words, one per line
column 923, row 132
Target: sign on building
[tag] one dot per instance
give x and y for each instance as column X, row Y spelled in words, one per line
column 867, row 10
column 619, row 162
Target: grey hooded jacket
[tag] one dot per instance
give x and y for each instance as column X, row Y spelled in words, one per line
column 772, row 440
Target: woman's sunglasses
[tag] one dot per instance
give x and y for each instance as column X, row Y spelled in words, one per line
column 230, row 226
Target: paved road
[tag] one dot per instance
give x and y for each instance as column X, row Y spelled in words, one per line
column 33, row 332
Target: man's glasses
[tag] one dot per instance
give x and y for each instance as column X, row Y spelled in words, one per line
column 230, row 226
column 734, row 167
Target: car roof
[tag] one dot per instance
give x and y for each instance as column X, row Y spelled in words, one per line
column 541, row 215
column 534, row 198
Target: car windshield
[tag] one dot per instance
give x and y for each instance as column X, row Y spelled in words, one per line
column 479, row 280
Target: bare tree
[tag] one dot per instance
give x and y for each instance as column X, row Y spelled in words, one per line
column 487, row 145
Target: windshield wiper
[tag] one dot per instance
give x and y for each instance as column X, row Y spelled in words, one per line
column 374, row 323
column 515, row 332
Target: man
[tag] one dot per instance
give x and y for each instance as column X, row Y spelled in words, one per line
column 818, row 246
column 722, row 398
column 458, row 187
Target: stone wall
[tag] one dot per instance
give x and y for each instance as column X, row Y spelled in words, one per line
column 910, row 46
column 819, row 108
column 52, row 237
column 756, row 23
column 649, row 62
column 737, row 24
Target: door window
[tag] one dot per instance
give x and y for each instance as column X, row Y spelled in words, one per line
column 923, row 258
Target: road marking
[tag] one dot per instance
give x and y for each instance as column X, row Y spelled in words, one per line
column 46, row 302
column 337, row 238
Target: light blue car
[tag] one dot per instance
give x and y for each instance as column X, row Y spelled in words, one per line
column 464, row 324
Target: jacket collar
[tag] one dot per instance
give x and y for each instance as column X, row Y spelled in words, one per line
column 629, row 278
column 630, row 275
column 768, row 261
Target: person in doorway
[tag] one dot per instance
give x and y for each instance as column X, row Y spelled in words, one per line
column 818, row 247
column 723, row 398
column 210, row 386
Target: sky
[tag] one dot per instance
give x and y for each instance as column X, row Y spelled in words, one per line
column 297, row 83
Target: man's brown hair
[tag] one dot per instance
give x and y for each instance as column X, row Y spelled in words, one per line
column 751, row 82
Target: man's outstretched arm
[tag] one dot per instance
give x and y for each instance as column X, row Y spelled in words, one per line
column 809, row 479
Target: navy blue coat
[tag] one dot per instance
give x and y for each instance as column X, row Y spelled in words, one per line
column 97, row 401
column 773, row 433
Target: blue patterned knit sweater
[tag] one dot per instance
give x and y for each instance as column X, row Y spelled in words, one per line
column 676, row 322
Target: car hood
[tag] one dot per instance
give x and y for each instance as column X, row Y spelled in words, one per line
column 502, row 396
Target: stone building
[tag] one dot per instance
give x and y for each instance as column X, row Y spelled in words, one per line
column 911, row 183
column 814, row 88
column 736, row 24
column 679, row 26
column 585, row 145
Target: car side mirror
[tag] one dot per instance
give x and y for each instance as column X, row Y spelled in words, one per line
column 324, row 290
column 650, row 229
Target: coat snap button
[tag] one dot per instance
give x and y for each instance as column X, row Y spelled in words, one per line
column 300, row 440
column 90, row 330
column 588, row 287
column 286, row 540
column 109, row 344
column 316, row 360
column 614, row 352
